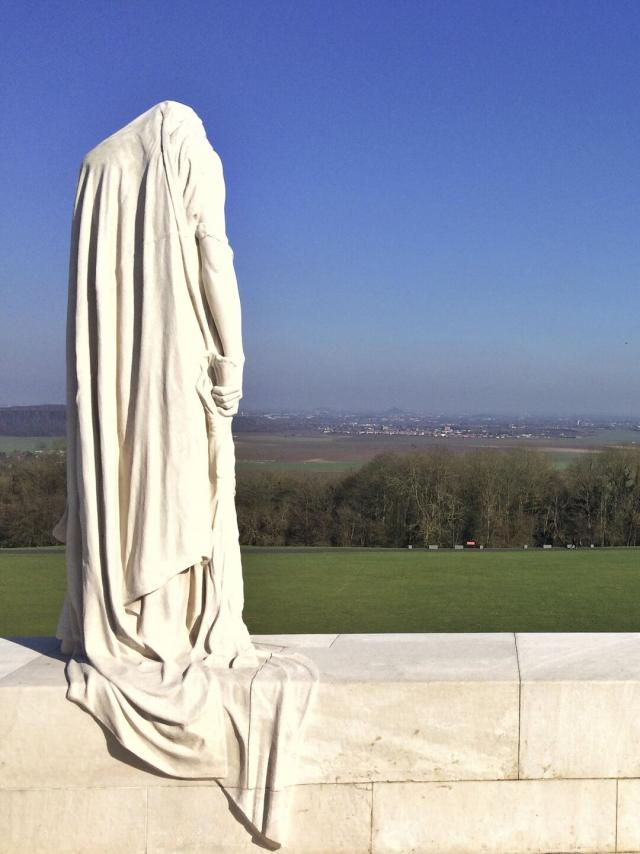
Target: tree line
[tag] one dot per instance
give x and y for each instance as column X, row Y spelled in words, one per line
column 497, row 498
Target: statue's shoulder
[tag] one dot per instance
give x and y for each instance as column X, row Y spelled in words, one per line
column 175, row 109
column 170, row 118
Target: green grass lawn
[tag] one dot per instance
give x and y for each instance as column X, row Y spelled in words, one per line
column 343, row 590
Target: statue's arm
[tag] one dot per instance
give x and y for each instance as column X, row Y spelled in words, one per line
column 221, row 289
column 206, row 210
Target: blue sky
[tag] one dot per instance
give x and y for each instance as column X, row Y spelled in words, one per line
column 433, row 205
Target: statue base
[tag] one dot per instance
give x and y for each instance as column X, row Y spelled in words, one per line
column 425, row 742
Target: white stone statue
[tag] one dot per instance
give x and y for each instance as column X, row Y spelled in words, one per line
column 153, row 613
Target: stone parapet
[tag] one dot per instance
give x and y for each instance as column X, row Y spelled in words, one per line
column 440, row 743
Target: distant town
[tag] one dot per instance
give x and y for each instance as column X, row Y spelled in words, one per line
column 396, row 422
column 49, row 420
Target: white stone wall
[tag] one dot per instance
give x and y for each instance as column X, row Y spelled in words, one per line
column 419, row 743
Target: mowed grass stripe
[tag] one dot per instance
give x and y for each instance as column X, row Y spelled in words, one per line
column 386, row 591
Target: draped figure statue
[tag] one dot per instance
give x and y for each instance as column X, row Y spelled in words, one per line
column 152, row 618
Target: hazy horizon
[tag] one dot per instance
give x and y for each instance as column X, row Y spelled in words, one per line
column 432, row 206
column 410, row 413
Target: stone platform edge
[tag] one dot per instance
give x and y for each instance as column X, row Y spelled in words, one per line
column 492, row 742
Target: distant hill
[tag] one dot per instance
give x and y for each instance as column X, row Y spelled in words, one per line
column 44, row 420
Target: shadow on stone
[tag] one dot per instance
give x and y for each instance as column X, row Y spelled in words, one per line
column 117, row 751
column 256, row 837
column 44, row 645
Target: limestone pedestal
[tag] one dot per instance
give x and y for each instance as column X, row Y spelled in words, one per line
column 436, row 743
